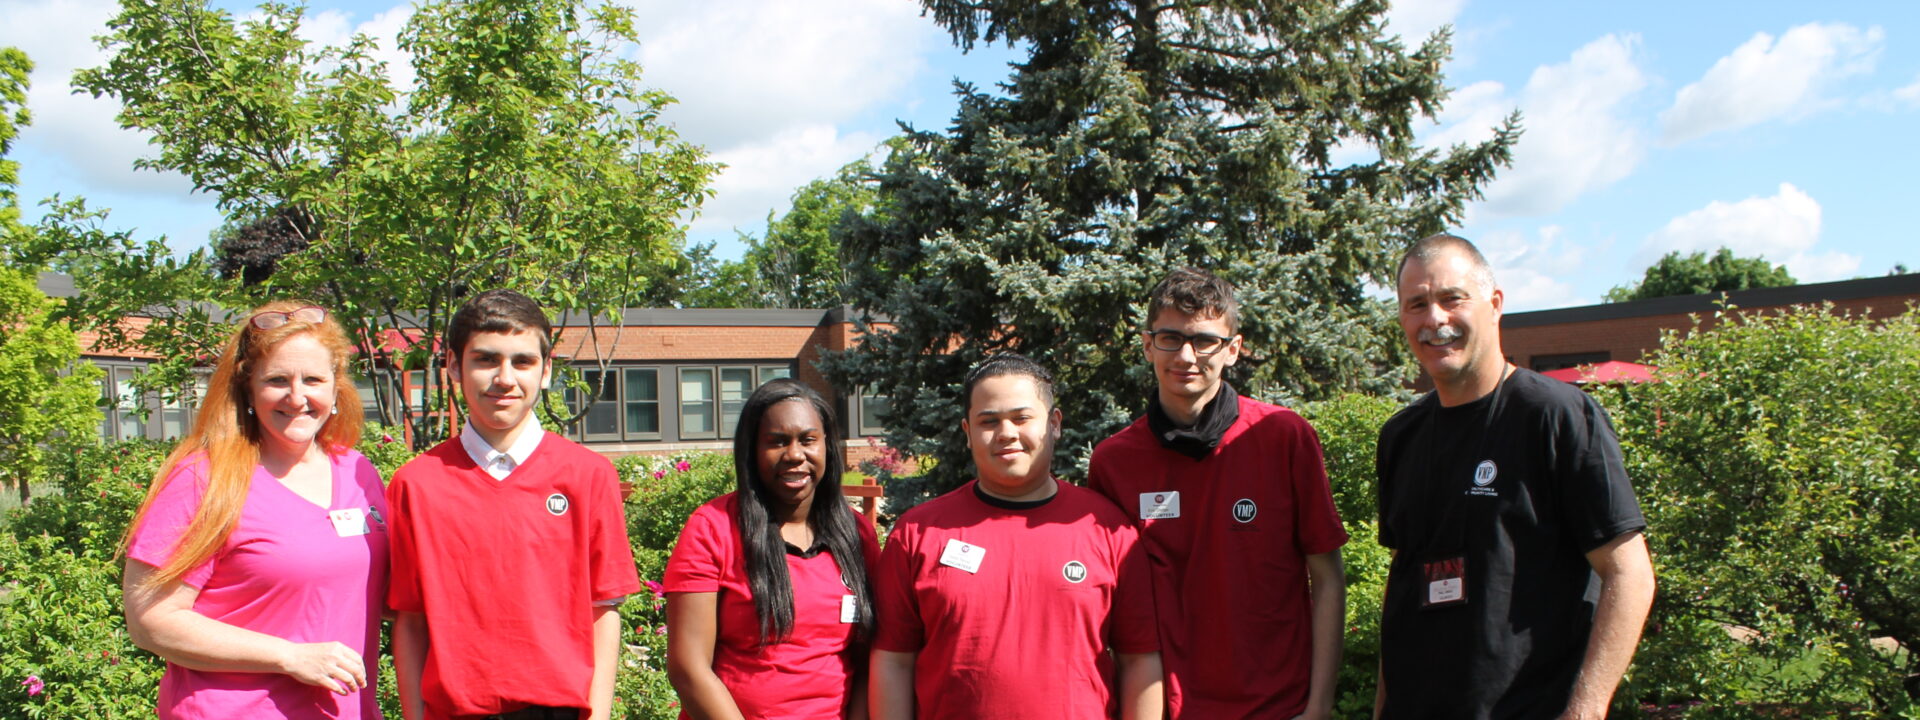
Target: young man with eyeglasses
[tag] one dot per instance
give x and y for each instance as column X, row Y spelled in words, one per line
column 1231, row 498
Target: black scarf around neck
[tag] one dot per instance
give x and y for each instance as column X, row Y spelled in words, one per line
column 1196, row 442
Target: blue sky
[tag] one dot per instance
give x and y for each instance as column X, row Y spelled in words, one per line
column 1780, row 129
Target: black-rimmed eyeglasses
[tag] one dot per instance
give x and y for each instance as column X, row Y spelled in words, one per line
column 270, row 319
column 1172, row 340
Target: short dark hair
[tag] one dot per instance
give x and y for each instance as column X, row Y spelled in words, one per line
column 1007, row 364
column 498, row 311
column 1195, row 292
column 1432, row 246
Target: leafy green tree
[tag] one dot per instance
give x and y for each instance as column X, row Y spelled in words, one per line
column 527, row 155
column 1778, row 462
column 1137, row 137
column 48, row 398
column 1697, row 274
column 797, row 264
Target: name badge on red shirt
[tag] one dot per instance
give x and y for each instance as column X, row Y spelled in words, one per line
column 1446, row 582
column 1163, row 505
column 962, row 555
column 849, row 612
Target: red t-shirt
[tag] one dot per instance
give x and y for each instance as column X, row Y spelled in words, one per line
column 1026, row 634
column 507, row 573
column 1229, row 536
column 809, row 675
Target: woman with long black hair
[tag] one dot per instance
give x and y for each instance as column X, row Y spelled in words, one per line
column 768, row 606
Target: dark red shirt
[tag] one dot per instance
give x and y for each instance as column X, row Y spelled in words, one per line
column 1229, row 564
column 810, row 674
column 1026, row 634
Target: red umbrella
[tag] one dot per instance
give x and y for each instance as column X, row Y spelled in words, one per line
column 1611, row 371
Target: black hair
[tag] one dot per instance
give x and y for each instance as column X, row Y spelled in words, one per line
column 1007, row 364
column 498, row 311
column 829, row 517
column 1195, row 292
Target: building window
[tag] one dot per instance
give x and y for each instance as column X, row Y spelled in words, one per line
column 642, row 403
column 873, row 406
column 735, row 384
column 124, row 404
column 1544, row 363
column 774, row 372
column 696, row 403
column 602, row 421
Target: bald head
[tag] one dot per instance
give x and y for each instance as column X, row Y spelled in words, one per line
column 1435, row 246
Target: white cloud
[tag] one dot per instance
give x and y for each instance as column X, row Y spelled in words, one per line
column 746, row 71
column 1577, row 135
column 1414, row 20
column 1909, row 95
column 762, row 176
column 1532, row 271
column 1782, row 228
column 335, row 28
column 77, row 131
column 1764, row 79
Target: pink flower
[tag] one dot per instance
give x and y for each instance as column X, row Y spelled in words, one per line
column 657, row 474
column 662, row 630
column 385, row 438
column 683, row 466
column 35, row 686
column 659, row 591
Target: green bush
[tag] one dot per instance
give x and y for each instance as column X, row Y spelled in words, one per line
column 100, row 490
column 1778, row 463
column 1349, row 428
column 666, row 490
column 61, row 633
column 386, row 447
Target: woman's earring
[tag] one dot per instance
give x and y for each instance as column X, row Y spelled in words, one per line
column 249, row 411
column 336, row 410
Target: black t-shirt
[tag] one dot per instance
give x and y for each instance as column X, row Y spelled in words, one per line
column 1522, row 484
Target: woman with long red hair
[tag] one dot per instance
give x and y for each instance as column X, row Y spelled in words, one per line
column 257, row 565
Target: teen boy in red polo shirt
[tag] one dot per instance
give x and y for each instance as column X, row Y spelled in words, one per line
column 1232, row 502
column 510, row 548
column 1000, row 600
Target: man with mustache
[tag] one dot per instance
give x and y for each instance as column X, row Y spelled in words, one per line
column 1520, row 579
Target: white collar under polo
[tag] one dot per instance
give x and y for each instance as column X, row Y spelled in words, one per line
column 496, row 463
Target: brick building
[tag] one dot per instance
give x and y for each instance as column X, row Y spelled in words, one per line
column 1552, row 339
column 675, row 379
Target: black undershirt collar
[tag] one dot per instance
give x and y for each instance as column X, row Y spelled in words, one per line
column 819, row 546
column 1006, row 504
column 1199, row 441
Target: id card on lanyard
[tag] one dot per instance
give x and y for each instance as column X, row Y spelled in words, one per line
column 1443, row 564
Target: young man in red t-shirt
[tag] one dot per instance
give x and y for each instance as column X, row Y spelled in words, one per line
column 1002, row 599
column 1231, row 498
column 510, row 551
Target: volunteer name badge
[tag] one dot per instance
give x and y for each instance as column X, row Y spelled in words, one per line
column 849, row 612
column 1446, row 582
column 349, row 522
column 1163, row 505
column 963, row 555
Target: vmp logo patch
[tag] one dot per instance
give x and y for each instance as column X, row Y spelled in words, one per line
column 1244, row 510
column 1074, row 571
column 557, row 504
column 1483, row 476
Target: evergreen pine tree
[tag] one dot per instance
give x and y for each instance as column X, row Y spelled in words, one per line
column 1136, row 138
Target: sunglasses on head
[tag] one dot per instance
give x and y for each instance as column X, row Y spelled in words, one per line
column 270, row 319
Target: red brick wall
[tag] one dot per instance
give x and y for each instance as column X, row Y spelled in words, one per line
column 1628, row 339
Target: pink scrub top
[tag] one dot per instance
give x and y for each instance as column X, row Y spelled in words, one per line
column 291, row 569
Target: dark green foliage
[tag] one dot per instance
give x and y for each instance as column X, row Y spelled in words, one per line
column 1349, row 428
column 250, row 251
column 60, row 615
column 1778, row 462
column 1696, row 274
column 1136, row 138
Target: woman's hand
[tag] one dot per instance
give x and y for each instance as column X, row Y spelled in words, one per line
column 330, row 665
